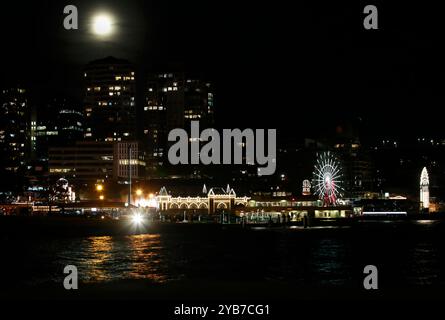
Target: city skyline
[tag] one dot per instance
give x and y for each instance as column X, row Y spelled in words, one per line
column 26, row 139
column 184, row 153
column 393, row 68
column 407, row 154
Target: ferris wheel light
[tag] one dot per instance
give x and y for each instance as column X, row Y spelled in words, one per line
column 327, row 179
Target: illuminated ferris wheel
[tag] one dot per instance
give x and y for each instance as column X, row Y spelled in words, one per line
column 327, row 178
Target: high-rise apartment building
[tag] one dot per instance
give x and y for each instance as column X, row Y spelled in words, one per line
column 172, row 100
column 58, row 122
column 110, row 100
column 15, row 126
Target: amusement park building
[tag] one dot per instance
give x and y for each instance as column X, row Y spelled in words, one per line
column 219, row 199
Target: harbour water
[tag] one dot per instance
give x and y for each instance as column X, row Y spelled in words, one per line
column 408, row 254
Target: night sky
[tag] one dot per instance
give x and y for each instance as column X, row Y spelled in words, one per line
column 305, row 68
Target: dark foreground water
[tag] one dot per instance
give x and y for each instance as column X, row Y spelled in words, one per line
column 407, row 255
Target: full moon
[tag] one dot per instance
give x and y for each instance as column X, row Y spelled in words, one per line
column 102, row 25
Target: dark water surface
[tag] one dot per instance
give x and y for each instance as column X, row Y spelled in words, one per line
column 407, row 254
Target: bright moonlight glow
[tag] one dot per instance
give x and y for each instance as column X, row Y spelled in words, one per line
column 102, row 25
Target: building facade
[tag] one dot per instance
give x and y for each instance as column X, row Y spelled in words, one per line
column 92, row 162
column 83, row 163
column 217, row 199
column 359, row 168
column 15, row 127
column 129, row 161
column 172, row 100
column 56, row 123
column 110, row 100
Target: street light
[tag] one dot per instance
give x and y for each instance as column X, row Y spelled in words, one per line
column 101, row 197
column 137, row 219
column 99, row 187
column 138, row 192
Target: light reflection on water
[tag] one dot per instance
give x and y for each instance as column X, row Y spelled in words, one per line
column 108, row 258
column 426, row 222
column 424, row 268
column 328, row 262
column 406, row 253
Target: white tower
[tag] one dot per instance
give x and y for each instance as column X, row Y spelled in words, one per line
column 424, row 189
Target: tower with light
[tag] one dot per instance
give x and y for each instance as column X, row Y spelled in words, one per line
column 424, row 189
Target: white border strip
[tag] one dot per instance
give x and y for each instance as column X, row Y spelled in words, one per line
column 384, row 212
